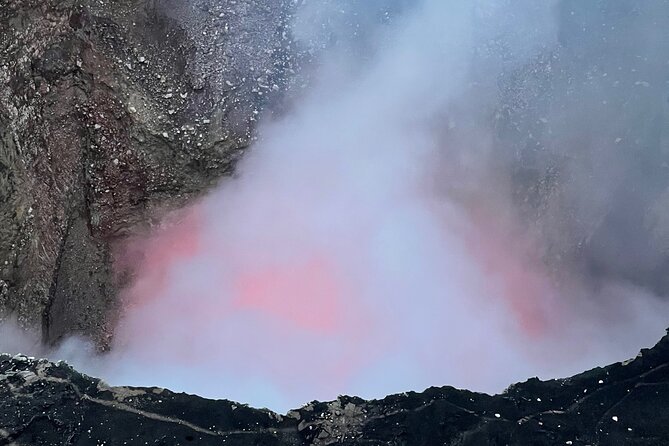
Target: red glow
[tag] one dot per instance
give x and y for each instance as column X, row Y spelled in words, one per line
column 150, row 259
column 508, row 260
column 305, row 295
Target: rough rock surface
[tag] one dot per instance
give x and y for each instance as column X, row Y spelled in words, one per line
column 110, row 110
column 45, row 403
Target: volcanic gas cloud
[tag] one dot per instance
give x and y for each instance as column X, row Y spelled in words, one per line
column 370, row 243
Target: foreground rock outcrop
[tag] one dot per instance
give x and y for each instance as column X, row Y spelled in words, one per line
column 46, row 403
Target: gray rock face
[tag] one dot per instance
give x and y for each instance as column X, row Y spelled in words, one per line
column 42, row 403
column 589, row 131
column 109, row 111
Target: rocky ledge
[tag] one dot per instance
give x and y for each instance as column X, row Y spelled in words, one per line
column 46, row 403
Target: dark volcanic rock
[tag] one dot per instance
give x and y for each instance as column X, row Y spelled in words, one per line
column 109, row 111
column 42, row 403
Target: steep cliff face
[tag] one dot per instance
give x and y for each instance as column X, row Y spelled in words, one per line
column 109, row 111
column 42, row 403
column 588, row 125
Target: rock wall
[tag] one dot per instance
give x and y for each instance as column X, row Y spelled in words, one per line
column 110, row 112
